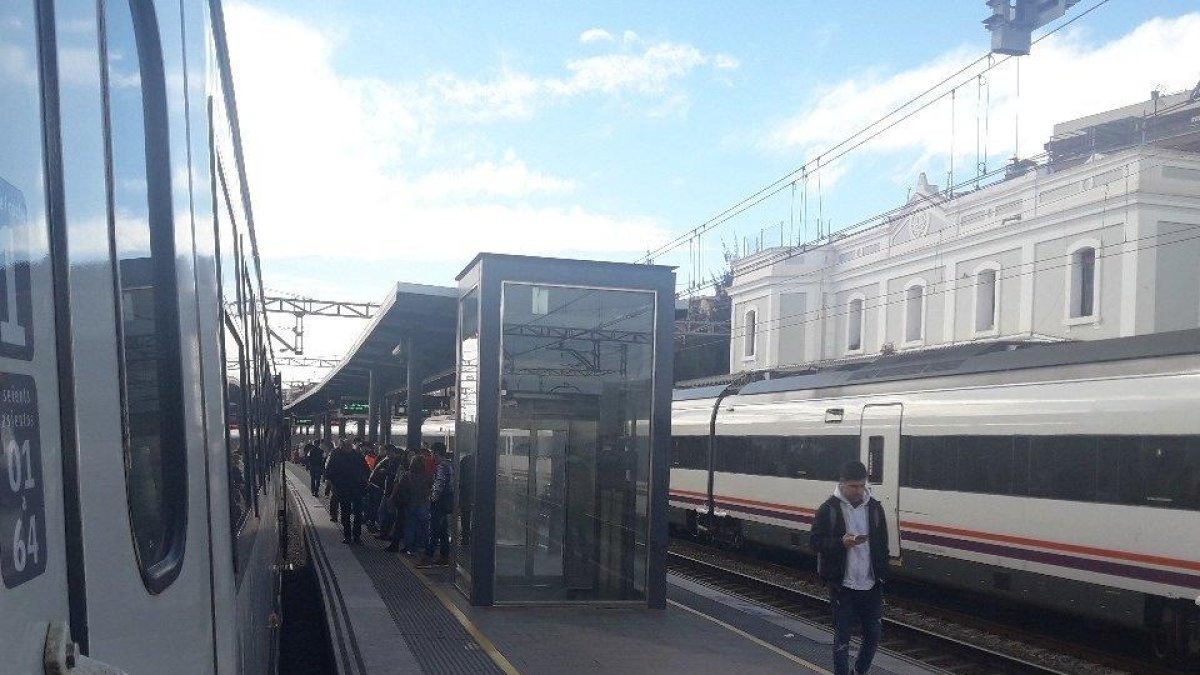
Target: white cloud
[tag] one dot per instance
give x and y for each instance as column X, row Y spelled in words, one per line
column 1067, row 76
column 512, row 178
column 596, row 35
column 333, row 158
column 725, row 62
column 649, row 72
column 652, row 71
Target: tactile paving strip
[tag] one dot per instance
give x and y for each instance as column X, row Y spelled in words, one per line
column 437, row 640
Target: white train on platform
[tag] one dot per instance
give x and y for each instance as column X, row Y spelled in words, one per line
column 1060, row 475
column 140, row 490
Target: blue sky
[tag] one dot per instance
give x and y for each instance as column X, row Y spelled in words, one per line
column 408, row 136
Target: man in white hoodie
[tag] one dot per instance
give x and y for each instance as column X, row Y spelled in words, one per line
column 850, row 538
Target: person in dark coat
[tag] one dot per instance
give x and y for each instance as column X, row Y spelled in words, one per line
column 314, row 459
column 441, row 503
column 399, row 501
column 380, row 489
column 348, row 472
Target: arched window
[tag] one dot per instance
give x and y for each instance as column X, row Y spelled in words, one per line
column 914, row 312
column 854, row 326
column 986, row 302
column 1083, row 282
column 750, row 334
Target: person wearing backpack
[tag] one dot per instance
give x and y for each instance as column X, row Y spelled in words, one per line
column 850, row 538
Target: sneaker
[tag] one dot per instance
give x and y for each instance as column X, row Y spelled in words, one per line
column 392, row 549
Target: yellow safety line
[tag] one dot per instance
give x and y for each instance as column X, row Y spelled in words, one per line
column 763, row 643
column 484, row 642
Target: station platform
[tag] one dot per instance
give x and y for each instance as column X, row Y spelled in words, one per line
column 387, row 616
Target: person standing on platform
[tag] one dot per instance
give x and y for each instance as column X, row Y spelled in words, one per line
column 399, row 501
column 850, row 538
column 382, row 479
column 314, row 459
column 416, row 485
column 329, row 492
column 348, row 473
column 441, row 503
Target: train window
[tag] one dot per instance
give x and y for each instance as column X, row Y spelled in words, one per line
column 1020, row 475
column 235, row 433
column 689, row 452
column 1161, row 471
column 1063, row 467
column 875, row 460
column 766, row 457
column 808, row 457
column 731, row 454
column 142, row 232
column 1108, row 474
column 985, row 464
column 826, row 454
column 931, row 462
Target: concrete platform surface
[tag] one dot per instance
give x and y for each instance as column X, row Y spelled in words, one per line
column 387, row 616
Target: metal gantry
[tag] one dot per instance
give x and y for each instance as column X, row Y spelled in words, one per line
column 300, row 307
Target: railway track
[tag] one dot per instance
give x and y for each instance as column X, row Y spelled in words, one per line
column 903, row 636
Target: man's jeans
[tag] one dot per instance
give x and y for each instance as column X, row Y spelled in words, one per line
column 851, row 607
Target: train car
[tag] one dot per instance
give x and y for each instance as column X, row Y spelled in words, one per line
column 139, row 407
column 1060, row 475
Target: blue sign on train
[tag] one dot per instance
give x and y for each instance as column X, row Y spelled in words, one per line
column 22, row 493
column 16, row 304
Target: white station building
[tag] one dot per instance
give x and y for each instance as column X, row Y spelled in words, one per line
column 1101, row 240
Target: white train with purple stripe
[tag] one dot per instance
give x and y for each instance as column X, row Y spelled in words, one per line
column 1064, row 475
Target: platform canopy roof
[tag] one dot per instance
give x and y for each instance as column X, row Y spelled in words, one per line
column 427, row 314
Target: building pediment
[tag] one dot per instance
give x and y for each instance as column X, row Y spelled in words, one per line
column 922, row 216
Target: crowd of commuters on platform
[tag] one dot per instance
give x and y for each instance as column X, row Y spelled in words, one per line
column 401, row 496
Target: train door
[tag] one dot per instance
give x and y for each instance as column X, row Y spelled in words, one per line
column 35, row 551
column 880, row 448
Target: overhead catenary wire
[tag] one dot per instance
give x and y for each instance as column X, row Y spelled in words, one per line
column 850, row 143
column 786, row 254
column 765, row 327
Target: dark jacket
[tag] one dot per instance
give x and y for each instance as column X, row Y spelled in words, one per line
column 415, row 486
column 316, row 458
column 442, row 492
column 829, row 526
column 348, row 472
column 384, row 473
